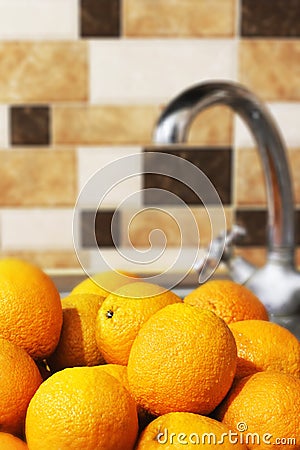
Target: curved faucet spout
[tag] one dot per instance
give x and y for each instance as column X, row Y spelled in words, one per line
column 173, row 126
column 277, row 284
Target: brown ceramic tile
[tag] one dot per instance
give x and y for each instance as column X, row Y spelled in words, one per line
column 255, row 222
column 30, row 125
column 249, row 181
column 50, row 259
column 169, row 18
column 37, row 177
column 267, row 18
column 43, row 72
column 215, row 164
column 271, row 68
column 100, row 18
column 92, row 125
column 96, row 229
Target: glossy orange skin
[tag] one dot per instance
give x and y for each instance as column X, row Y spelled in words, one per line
column 20, row 378
column 183, row 359
column 30, row 308
column 229, row 300
column 81, row 408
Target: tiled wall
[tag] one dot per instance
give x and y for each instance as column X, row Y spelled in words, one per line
column 82, row 84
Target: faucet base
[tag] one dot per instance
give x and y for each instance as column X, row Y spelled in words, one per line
column 278, row 287
column 292, row 323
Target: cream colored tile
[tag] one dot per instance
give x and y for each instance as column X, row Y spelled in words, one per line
column 94, row 161
column 35, row 19
column 37, row 229
column 50, row 259
column 104, row 125
column 286, row 116
column 271, row 68
column 37, row 177
column 175, row 18
column 249, row 182
column 153, row 70
column 4, row 126
column 43, row 71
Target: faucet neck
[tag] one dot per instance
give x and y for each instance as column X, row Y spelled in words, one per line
column 173, row 126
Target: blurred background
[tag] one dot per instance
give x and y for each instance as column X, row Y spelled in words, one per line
column 82, row 84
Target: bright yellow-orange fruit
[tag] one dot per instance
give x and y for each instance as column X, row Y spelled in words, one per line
column 267, row 404
column 10, row 442
column 104, row 283
column 81, row 408
column 183, row 359
column 77, row 344
column 20, row 378
column 30, row 308
column 118, row 371
column 264, row 346
column 178, row 430
column 123, row 313
column 229, row 300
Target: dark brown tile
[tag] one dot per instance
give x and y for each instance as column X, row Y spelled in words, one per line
column 255, row 222
column 100, row 18
column 270, row 18
column 96, row 230
column 30, row 125
column 215, row 163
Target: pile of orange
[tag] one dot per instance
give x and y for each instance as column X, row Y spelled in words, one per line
column 122, row 364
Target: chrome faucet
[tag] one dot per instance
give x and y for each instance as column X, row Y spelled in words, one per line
column 277, row 284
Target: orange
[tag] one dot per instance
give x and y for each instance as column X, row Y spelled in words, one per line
column 229, row 300
column 178, row 430
column 183, row 359
column 77, row 345
column 20, row 378
column 81, row 408
column 10, row 442
column 120, row 373
column 30, row 308
column 263, row 346
column 268, row 404
column 123, row 313
column 103, row 283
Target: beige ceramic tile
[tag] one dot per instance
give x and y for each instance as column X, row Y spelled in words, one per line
column 50, row 259
column 298, row 258
column 37, row 177
column 181, row 227
column 179, row 18
column 213, row 126
column 258, row 255
column 132, row 125
column 271, row 68
column 249, row 180
column 254, row 255
column 84, row 125
column 43, row 71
